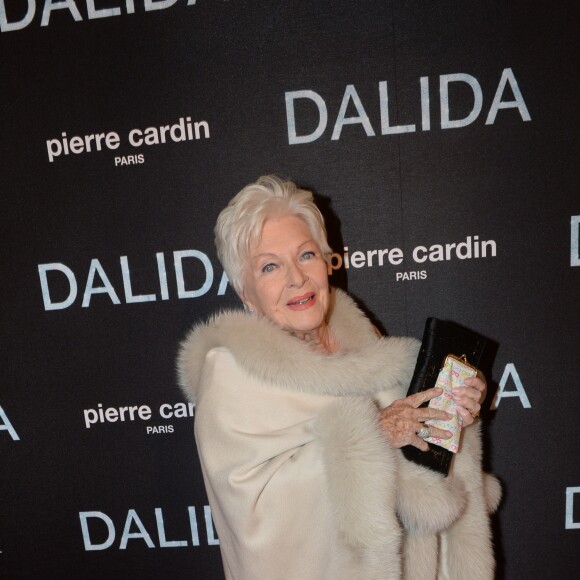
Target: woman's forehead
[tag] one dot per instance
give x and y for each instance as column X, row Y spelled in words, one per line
column 280, row 233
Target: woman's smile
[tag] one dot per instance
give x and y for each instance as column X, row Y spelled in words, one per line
column 303, row 302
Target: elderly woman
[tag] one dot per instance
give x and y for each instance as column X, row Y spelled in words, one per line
column 300, row 414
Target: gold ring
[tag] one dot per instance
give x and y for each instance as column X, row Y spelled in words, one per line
column 475, row 415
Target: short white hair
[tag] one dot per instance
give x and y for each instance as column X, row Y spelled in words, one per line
column 239, row 226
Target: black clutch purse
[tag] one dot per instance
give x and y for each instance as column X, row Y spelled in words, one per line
column 440, row 339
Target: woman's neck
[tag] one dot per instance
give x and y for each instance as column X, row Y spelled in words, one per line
column 319, row 339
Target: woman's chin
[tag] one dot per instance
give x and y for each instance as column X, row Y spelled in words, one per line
column 304, row 322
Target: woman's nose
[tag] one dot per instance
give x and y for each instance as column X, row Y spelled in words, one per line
column 296, row 276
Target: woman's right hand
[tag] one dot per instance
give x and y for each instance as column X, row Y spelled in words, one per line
column 404, row 418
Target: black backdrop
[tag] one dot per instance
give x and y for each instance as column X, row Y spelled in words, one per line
column 107, row 255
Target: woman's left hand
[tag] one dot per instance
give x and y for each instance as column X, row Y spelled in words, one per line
column 470, row 397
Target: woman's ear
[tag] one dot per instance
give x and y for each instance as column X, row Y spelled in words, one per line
column 247, row 305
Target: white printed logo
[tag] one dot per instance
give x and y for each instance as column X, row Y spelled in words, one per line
column 351, row 99
column 6, row 425
column 134, row 529
column 139, row 414
column 574, row 239
column 99, row 283
column 570, row 523
column 520, row 392
column 10, row 22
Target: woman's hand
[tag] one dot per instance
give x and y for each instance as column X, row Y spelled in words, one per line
column 470, row 397
column 403, row 419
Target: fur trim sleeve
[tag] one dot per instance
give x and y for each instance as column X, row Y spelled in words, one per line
column 469, row 547
column 427, row 502
column 361, row 477
column 493, row 493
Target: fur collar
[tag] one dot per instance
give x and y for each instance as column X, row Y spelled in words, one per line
column 364, row 364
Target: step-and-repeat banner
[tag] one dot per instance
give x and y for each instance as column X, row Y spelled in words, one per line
column 441, row 140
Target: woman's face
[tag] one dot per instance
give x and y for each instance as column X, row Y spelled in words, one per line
column 286, row 279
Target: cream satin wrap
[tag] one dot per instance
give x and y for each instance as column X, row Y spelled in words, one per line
column 264, row 477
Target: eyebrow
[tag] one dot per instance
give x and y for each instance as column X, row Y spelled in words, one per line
column 265, row 254
column 259, row 256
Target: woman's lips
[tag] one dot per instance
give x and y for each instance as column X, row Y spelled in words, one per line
column 302, row 302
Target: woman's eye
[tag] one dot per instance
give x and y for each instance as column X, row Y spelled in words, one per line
column 308, row 255
column 268, row 268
